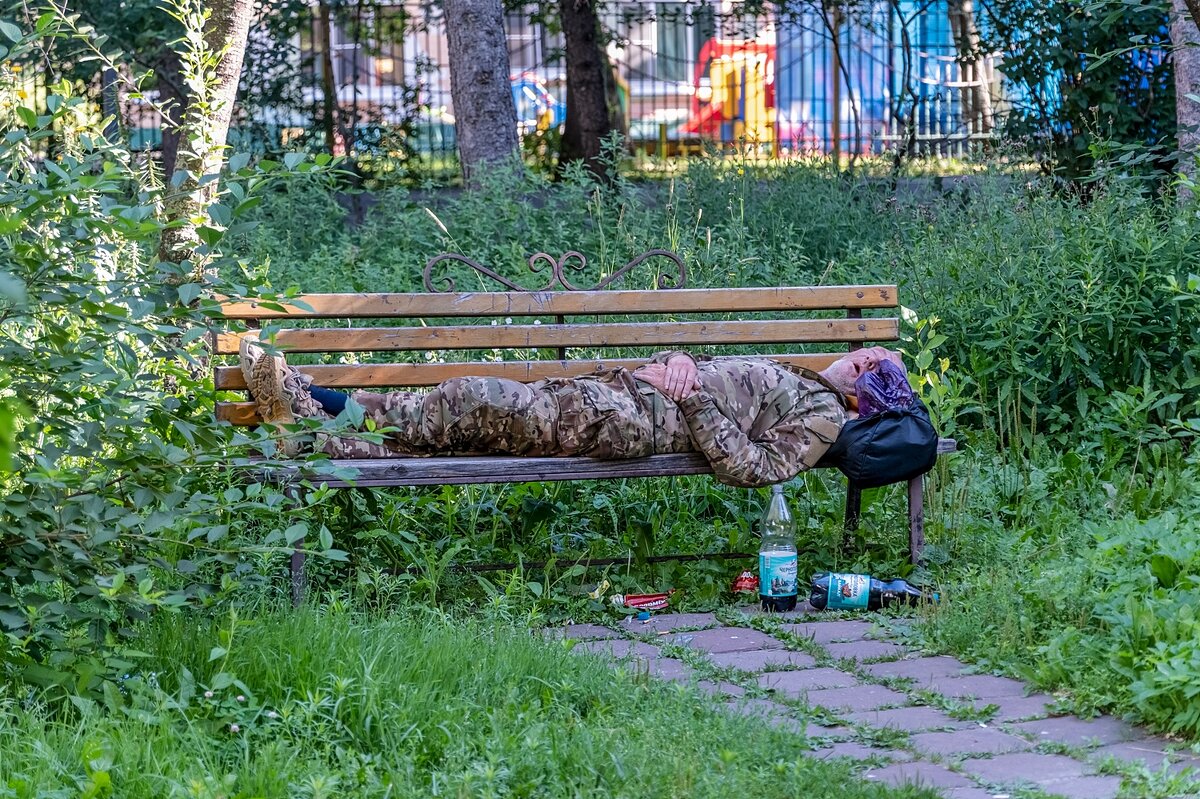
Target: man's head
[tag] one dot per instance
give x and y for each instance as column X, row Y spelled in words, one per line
column 844, row 372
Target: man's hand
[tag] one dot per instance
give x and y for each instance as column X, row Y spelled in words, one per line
column 678, row 378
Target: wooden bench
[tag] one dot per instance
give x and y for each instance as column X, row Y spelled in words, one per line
column 551, row 322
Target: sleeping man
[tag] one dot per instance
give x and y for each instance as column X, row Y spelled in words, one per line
column 758, row 422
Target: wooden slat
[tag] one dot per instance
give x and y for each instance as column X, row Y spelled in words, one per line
column 569, row 303
column 397, row 375
column 494, row 469
column 645, row 334
column 240, row 414
column 378, row 472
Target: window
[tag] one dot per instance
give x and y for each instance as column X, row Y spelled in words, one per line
column 682, row 31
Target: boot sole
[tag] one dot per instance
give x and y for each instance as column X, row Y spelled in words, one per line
column 266, row 384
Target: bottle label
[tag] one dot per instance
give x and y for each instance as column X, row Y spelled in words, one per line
column 848, row 591
column 777, row 574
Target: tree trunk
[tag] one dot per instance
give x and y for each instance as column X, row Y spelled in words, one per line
column 1186, row 54
column 205, row 128
column 1192, row 8
column 323, row 36
column 976, row 97
column 173, row 98
column 588, row 119
column 485, row 119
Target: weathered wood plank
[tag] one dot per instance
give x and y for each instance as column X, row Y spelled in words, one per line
column 572, row 303
column 643, row 334
column 398, row 375
column 464, row 470
column 239, row 414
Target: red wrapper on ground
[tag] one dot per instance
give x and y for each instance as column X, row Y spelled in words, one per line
column 643, row 601
column 746, row 582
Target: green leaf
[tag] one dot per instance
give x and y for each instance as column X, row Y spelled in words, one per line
column 188, row 293
column 221, row 214
column 293, row 160
column 96, row 756
column 296, row 532
column 209, row 235
column 1165, row 570
column 326, row 538
column 238, row 161
column 216, row 653
column 10, row 31
column 28, row 116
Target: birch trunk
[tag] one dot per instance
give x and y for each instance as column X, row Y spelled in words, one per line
column 977, row 98
column 212, row 92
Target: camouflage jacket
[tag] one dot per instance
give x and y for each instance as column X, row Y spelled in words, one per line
column 757, row 421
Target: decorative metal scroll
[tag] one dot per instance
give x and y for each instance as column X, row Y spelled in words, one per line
column 558, row 267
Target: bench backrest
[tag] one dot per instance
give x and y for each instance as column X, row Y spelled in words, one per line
column 549, row 322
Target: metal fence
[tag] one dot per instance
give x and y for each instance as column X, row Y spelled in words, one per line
column 371, row 79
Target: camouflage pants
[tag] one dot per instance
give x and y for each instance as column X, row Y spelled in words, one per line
column 612, row 417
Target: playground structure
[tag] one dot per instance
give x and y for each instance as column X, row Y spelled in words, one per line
column 737, row 102
column 690, row 78
column 537, row 110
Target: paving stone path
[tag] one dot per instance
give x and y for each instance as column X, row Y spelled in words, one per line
column 901, row 716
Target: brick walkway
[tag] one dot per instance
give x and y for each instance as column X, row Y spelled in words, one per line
column 904, row 717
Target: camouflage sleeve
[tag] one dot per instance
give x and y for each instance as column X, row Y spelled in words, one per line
column 793, row 445
column 666, row 355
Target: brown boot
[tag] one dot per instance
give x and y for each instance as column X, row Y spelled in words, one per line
column 249, row 351
column 264, row 375
column 266, row 384
column 278, row 381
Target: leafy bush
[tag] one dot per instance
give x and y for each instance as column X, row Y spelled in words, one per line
column 1082, row 588
column 1080, row 89
column 112, row 497
column 1062, row 313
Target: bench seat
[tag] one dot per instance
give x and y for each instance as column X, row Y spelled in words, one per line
column 472, row 469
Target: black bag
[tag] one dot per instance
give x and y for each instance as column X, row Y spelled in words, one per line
column 889, row 447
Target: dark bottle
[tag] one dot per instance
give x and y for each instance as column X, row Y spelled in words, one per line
column 778, row 578
column 863, row 592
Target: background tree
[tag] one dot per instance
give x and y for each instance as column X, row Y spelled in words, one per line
column 143, row 32
column 1080, row 89
column 1185, row 17
column 977, row 98
column 214, row 72
column 485, row 119
column 589, row 119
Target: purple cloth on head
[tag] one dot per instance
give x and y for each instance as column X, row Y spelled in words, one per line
column 883, row 390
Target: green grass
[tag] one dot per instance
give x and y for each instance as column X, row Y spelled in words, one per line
column 416, row 705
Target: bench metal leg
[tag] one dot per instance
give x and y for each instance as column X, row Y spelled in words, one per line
column 853, row 511
column 916, row 518
column 299, row 582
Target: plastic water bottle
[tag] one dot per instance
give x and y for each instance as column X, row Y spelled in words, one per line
column 863, row 592
column 777, row 556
